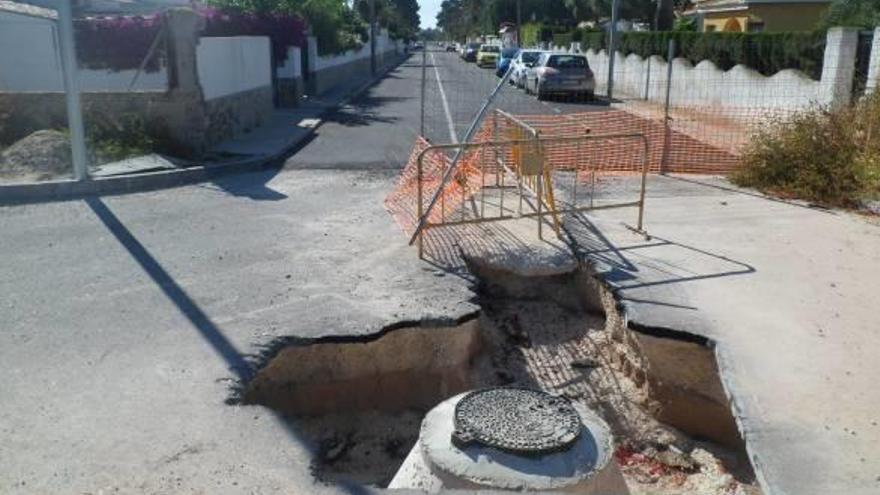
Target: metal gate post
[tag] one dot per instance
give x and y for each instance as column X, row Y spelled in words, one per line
column 612, row 46
column 670, row 55
column 424, row 85
column 71, row 91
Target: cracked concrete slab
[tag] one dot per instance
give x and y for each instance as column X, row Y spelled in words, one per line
column 786, row 295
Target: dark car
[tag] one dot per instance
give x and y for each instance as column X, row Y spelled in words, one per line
column 469, row 54
column 503, row 64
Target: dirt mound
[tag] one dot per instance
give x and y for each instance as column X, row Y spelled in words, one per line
column 41, row 155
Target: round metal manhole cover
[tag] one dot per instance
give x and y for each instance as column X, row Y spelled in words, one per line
column 517, row 420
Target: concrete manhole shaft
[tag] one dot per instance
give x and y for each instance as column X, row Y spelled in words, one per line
column 516, row 420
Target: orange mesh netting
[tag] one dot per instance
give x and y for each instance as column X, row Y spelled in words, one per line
column 691, row 145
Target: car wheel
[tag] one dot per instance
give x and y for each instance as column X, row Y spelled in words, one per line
column 590, row 96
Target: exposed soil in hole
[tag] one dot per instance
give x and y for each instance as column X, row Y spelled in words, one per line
column 360, row 402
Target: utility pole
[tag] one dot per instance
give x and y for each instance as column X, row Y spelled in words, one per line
column 612, row 46
column 71, row 91
column 373, row 37
column 519, row 23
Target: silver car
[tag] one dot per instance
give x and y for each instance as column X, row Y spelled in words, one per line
column 566, row 74
column 521, row 64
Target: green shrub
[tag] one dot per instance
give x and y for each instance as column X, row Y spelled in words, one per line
column 531, row 33
column 563, row 39
column 121, row 137
column 827, row 157
column 767, row 53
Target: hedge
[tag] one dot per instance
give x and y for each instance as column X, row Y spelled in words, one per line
column 535, row 32
column 767, row 53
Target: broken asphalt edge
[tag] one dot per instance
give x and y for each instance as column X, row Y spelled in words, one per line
column 66, row 190
column 633, row 321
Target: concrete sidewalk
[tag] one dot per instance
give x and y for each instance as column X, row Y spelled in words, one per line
column 788, row 295
column 286, row 130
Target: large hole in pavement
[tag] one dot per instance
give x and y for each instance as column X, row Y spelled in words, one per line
column 360, row 401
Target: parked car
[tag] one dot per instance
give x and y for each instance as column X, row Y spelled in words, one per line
column 503, row 65
column 487, row 56
column 451, row 47
column 418, row 47
column 523, row 61
column 561, row 74
column 469, row 53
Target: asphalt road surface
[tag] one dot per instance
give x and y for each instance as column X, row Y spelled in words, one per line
column 378, row 129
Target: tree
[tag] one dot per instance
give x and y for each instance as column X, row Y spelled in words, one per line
column 664, row 20
column 853, row 13
column 337, row 27
column 400, row 17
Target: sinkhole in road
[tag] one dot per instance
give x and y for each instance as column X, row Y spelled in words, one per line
column 360, row 400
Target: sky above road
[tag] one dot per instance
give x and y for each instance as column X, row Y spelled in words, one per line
column 428, row 10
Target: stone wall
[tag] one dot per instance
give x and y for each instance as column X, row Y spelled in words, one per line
column 231, row 115
column 216, row 89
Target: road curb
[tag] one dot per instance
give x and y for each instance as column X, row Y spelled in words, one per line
column 16, row 194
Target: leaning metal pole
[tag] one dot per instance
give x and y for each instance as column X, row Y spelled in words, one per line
column 467, row 138
column 373, row 37
column 612, row 46
column 71, row 91
column 667, row 134
column 424, row 85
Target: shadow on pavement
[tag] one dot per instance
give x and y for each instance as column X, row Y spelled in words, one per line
column 625, row 274
column 175, row 293
column 209, row 330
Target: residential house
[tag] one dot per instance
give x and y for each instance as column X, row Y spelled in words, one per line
column 756, row 16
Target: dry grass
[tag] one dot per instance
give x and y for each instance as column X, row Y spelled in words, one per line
column 830, row 157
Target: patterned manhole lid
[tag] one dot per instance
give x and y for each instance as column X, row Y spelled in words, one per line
column 516, row 420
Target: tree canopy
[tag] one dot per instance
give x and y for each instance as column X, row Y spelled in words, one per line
column 462, row 18
column 853, row 13
column 339, row 25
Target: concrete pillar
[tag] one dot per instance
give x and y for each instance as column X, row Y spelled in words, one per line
column 290, row 81
column 311, row 62
column 183, row 26
column 839, row 65
column 874, row 64
column 183, row 111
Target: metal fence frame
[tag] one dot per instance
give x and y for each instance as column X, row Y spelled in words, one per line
column 543, row 207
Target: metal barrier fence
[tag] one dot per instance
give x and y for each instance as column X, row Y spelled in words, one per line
column 514, row 178
column 478, row 126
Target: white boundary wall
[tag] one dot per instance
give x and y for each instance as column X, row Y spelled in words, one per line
column 230, row 65
column 874, row 65
column 740, row 87
column 30, row 62
column 707, row 85
column 384, row 44
column 292, row 68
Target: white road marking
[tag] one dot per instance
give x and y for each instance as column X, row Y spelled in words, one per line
column 445, row 102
